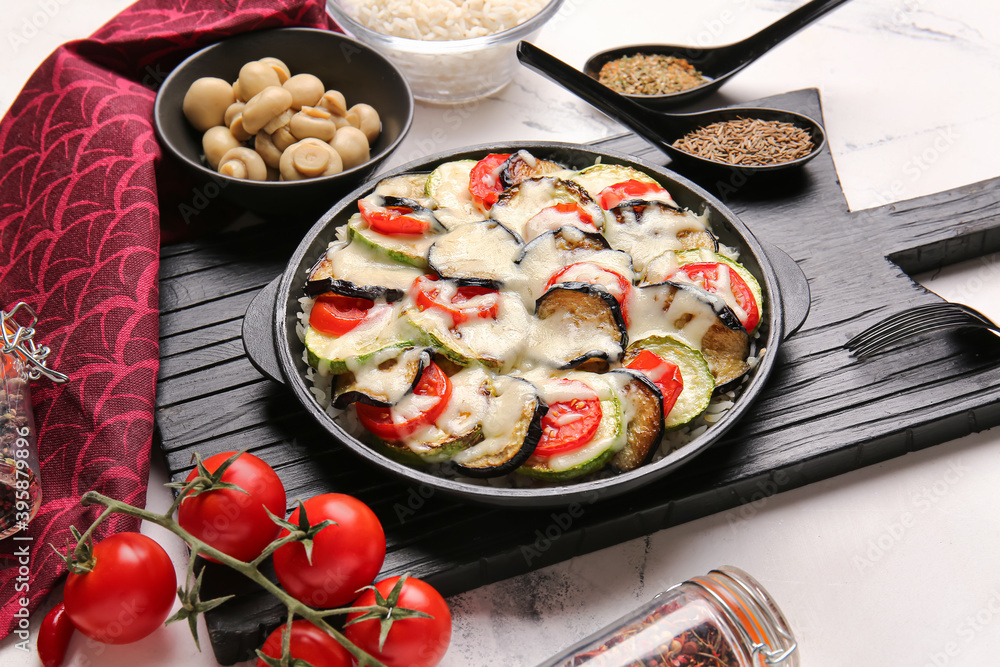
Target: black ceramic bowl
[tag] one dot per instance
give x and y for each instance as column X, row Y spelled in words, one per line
column 342, row 63
column 273, row 346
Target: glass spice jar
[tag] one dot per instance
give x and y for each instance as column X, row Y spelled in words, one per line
column 722, row 619
column 20, row 361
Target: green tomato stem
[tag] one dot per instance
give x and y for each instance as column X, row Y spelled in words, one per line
column 249, row 570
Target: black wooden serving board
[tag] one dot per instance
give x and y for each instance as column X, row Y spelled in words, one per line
column 822, row 414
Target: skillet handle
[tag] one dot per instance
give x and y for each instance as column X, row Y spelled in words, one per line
column 794, row 287
column 258, row 337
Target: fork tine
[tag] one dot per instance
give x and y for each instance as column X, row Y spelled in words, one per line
column 900, row 319
column 944, row 321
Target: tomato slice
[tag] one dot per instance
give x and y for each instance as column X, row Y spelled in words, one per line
column 615, row 194
column 712, row 278
column 462, row 302
column 559, row 215
column 664, row 374
column 588, row 272
column 570, row 424
column 392, row 220
column 336, row 314
column 484, row 180
column 434, row 390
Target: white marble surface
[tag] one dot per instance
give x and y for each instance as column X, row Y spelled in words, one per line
column 893, row 564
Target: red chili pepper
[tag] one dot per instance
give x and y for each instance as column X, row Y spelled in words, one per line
column 54, row 636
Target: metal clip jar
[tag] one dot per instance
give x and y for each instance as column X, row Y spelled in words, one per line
column 20, row 361
column 722, row 619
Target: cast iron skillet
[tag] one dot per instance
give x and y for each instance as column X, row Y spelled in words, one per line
column 274, row 348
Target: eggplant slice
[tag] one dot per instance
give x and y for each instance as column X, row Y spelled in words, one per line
column 354, row 269
column 701, row 318
column 644, row 424
column 384, row 380
column 477, row 253
column 552, row 251
column 522, row 165
column 511, row 429
column 647, row 229
column 580, row 325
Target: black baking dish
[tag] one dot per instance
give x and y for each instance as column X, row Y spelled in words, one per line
column 272, row 344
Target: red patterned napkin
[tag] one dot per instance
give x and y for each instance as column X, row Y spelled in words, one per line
column 82, row 184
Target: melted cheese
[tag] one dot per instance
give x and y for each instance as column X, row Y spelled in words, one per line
column 362, row 265
column 665, row 309
column 652, row 233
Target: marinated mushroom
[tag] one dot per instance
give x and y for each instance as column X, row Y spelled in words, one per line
column 279, row 121
column 255, row 77
column 306, row 90
column 267, row 150
column 282, row 138
column 309, row 158
column 243, row 163
column 365, row 118
column 206, row 101
column 216, row 142
column 237, row 129
column 334, row 102
column 232, row 111
column 280, row 68
column 352, row 146
column 312, row 122
column 264, row 107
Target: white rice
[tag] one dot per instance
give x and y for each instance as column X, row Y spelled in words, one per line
column 442, row 20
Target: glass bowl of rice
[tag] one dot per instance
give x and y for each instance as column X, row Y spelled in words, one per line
column 451, row 51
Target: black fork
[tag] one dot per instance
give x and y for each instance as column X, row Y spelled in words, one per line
column 913, row 322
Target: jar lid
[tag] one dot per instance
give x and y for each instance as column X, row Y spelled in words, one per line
column 19, row 339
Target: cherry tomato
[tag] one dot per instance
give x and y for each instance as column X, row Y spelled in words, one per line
column 462, row 302
column 54, row 635
column 335, row 314
column 587, row 272
column 664, row 374
column 484, row 180
column 570, row 424
column 388, row 424
column 392, row 220
column 128, row 593
column 712, row 277
column 615, row 194
column 236, row 523
column 411, row 642
column 345, row 557
column 308, row 643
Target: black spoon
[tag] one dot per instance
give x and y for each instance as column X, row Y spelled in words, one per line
column 717, row 63
column 659, row 128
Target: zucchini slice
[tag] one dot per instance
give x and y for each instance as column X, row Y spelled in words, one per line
column 699, row 383
column 410, row 250
column 644, row 424
column 379, row 330
column 382, row 379
column 607, row 441
column 477, row 253
column 448, row 187
column 701, row 319
column 495, row 343
column 458, row 427
column 524, row 207
column 579, row 325
column 702, row 255
column 596, row 177
column 511, row 429
column 646, row 230
column 356, row 269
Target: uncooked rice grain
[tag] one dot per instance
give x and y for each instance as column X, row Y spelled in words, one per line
column 442, row 20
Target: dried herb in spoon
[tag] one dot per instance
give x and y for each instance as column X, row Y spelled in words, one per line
column 748, row 142
column 654, row 74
